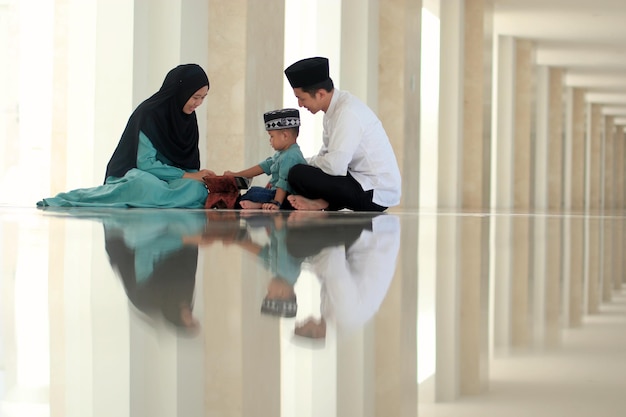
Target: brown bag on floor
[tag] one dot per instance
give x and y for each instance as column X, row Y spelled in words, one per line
column 223, row 192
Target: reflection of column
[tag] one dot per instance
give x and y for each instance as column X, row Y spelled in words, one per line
column 520, row 330
column 594, row 149
column 152, row 365
column 575, row 273
column 223, row 338
column 79, row 312
column 356, row 373
column 607, row 209
column 396, row 339
column 576, row 205
column 399, row 106
column 56, row 299
column 191, row 358
column 111, row 347
column 474, row 304
column 8, row 352
column 427, row 308
column 447, row 309
column 260, row 349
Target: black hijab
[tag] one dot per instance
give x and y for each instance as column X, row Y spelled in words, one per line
column 171, row 285
column 173, row 133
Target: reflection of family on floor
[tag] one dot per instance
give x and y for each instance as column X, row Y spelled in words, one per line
column 353, row 258
column 155, row 254
column 158, row 269
column 157, row 160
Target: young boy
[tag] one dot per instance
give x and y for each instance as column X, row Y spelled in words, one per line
column 283, row 127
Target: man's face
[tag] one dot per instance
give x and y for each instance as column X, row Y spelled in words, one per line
column 311, row 103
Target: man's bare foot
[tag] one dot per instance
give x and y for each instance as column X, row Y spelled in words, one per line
column 300, row 216
column 246, row 204
column 302, row 203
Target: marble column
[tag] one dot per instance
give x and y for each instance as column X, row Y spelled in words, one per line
column 463, row 183
column 620, row 167
column 540, row 195
column 246, row 80
column 245, row 66
column 448, row 361
column 502, row 144
column 399, row 44
column 58, row 362
column 555, row 206
column 520, row 285
column 548, row 165
column 618, row 204
column 92, row 61
column 399, row 82
column 475, row 172
column 58, row 145
column 608, row 208
column 167, row 33
column 575, row 205
column 593, row 209
column 113, row 59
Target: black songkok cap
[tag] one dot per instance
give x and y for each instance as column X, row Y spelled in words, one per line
column 281, row 308
column 281, row 119
column 307, row 72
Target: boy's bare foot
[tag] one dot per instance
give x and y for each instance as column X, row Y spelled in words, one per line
column 247, row 204
column 312, row 329
column 302, row 203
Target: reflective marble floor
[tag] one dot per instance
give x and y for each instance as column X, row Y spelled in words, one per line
column 109, row 312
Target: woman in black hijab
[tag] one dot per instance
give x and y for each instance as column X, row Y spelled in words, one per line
column 157, row 160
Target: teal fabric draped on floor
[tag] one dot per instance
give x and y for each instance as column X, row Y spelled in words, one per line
column 135, row 189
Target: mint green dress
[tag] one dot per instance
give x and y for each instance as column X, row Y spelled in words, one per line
column 155, row 183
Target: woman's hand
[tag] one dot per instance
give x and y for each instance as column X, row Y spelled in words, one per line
column 198, row 176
